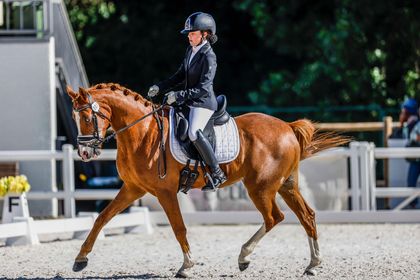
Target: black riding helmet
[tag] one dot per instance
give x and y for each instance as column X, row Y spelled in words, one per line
column 203, row 22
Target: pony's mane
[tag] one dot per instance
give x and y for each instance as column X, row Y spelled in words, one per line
column 125, row 91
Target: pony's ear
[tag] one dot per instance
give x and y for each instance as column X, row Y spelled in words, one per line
column 74, row 95
column 83, row 95
column 83, row 92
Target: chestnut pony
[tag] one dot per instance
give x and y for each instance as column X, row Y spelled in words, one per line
column 268, row 163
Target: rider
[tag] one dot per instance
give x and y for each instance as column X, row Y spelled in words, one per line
column 196, row 74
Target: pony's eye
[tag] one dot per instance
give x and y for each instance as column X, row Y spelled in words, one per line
column 87, row 120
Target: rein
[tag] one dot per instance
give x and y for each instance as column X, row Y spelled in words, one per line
column 162, row 154
column 95, row 140
column 106, row 139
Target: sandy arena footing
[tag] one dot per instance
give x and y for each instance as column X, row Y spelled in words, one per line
column 374, row 251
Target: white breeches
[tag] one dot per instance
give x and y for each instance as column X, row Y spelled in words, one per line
column 198, row 119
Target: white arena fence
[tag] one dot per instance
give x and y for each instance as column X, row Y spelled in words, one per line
column 26, row 230
column 363, row 191
column 362, row 156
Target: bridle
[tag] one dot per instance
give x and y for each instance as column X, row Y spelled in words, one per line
column 95, row 141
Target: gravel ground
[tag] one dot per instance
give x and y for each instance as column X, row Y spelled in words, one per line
column 382, row 251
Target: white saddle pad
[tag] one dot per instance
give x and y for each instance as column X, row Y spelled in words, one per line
column 227, row 142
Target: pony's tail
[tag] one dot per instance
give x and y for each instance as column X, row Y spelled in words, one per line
column 311, row 141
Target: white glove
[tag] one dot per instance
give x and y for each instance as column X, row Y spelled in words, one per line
column 153, row 91
column 170, row 97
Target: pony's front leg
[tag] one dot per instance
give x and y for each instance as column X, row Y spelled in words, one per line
column 169, row 202
column 124, row 198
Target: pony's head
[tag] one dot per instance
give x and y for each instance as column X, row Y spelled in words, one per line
column 92, row 122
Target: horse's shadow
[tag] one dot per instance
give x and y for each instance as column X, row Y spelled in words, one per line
column 141, row 276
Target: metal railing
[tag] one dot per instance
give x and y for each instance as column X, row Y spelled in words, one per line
column 23, row 17
column 67, row 53
column 40, row 19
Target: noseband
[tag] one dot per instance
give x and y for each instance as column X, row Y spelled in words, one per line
column 95, row 140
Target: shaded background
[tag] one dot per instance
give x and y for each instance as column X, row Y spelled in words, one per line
column 329, row 60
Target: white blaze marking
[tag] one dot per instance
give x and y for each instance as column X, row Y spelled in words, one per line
column 77, row 117
column 79, row 131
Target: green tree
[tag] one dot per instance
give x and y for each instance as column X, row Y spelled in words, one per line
column 137, row 43
column 337, row 52
column 275, row 53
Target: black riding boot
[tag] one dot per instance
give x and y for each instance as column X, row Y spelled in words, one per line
column 205, row 149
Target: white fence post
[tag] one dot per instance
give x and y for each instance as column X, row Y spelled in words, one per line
column 146, row 227
column 372, row 176
column 68, row 181
column 30, row 238
column 364, row 175
column 355, row 175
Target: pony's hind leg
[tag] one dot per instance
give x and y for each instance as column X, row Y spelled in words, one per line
column 292, row 196
column 124, row 198
column 264, row 200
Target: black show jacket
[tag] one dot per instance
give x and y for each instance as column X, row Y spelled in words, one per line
column 196, row 78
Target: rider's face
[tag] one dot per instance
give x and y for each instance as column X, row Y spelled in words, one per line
column 195, row 38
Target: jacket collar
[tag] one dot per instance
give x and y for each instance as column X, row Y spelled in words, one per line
column 202, row 50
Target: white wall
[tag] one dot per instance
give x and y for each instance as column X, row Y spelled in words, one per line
column 324, row 182
column 397, row 171
column 28, row 110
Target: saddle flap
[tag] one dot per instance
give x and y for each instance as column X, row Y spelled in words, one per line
column 182, row 129
column 225, row 141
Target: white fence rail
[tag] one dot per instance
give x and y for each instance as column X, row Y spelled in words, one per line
column 362, row 157
column 388, row 153
column 69, row 194
column 324, row 217
column 364, row 192
column 26, row 230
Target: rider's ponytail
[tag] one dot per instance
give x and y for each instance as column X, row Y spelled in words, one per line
column 212, row 38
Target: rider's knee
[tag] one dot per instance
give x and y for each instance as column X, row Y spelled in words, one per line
column 192, row 134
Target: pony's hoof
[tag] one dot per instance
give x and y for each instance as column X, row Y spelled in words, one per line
column 79, row 265
column 243, row 266
column 181, row 274
column 310, row 272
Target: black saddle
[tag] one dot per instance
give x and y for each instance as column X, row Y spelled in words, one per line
column 220, row 117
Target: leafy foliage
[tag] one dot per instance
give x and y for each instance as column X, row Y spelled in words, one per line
column 338, row 52
column 275, row 53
